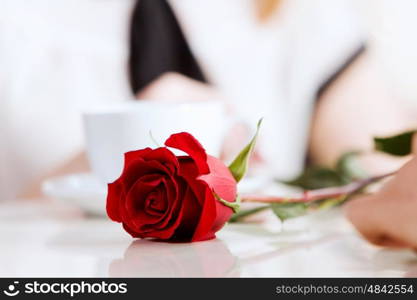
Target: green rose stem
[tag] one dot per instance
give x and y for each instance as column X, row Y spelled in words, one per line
column 319, row 194
column 287, row 207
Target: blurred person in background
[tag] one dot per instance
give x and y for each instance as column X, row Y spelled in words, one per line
column 302, row 65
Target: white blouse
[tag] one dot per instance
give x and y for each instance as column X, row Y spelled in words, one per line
column 272, row 70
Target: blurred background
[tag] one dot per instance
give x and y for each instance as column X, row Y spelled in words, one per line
column 60, row 56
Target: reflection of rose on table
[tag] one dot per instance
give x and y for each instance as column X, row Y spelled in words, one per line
column 145, row 258
column 51, row 240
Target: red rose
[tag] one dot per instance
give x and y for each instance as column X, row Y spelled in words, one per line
column 160, row 195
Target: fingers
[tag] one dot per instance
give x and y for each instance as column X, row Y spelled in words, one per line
column 377, row 220
column 358, row 213
column 370, row 221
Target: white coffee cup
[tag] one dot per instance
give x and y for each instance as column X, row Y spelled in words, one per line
column 111, row 131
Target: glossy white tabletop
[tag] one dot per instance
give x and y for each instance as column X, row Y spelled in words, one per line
column 51, row 240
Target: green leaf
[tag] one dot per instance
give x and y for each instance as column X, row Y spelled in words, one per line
column 348, row 166
column 317, row 177
column 285, row 211
column 346, row 170
column 235, row 206
column 240, row 164
column 398, row 145
column 236, row 217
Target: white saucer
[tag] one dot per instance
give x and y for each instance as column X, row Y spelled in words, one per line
column 82, row 189
column 85, row 191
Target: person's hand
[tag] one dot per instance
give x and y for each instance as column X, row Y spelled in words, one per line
column 389, row 217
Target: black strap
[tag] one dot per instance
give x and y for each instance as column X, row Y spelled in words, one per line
column 158, row 45
column 345, row 64
column 330, row 80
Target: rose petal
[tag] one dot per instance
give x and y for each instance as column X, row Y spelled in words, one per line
column 130, row 231
column 212, row 214
column 140, row 193
column 204, row 230
column 156, row 203
column 139, row 168
column 191, row 209
column 220, row 179
column 174, row 198
column 172, row 202
column 223, row 214
column 164, row 226
column 168, row 231
column 115, row 194
column 187, row 143
column 134, row 209
column 189, row 171
column 164, row 156
column 133, row 155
